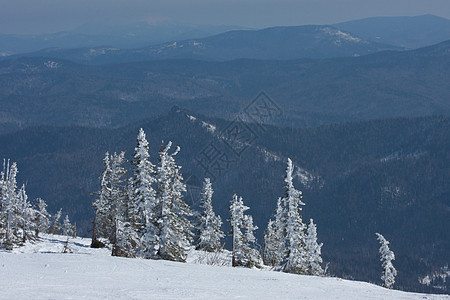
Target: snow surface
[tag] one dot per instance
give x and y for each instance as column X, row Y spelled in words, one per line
column 41, row 271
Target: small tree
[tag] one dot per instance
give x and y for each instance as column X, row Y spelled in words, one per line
column 67, row 228
column 209, row 223
column 387, row 256
column 314, row 251
column 42, row 217
column 56, row 225
column 243, row 252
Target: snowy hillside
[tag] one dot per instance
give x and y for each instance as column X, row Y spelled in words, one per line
column 42, row 271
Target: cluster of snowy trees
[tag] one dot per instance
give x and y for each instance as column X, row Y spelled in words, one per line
column 20, row 220
column 145, row 215
column 289, row 244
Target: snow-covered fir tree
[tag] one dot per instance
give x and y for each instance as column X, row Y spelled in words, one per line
column 209, row 224
column 314, row 251
column 253, row 256
column 243, row 253
column 11, row 207
column 142, row 199
column 271, row 244
column 42, row 217
column 118, row 195
column 387, row 256
column 102, row 205
column 175, row 230
column 55, row 228
column 25, row 216
column 67, row 228
column 296, row 261
column 275, row 237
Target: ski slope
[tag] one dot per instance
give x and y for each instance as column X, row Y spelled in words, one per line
column 42, row 271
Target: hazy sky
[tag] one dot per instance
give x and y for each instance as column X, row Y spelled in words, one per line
column 38, row 16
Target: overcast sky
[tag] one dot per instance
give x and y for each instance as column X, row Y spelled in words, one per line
column 38, row 16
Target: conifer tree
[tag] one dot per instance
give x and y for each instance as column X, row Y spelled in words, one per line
column 275, row 237
column 41, row 217
column 387, row 256
column 9, row 206
column 209, row 227
column 296, row 261
column 143, row 199
column 25, row 216
column 243, row 254
column 314, row 251
column 252, row 255
column 102, row 204
column 56, row 225
column 67, row 227
column 271, row 244
column 171, row 212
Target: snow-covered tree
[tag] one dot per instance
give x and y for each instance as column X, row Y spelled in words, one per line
column 102, row 205
column 56, row 224
column 243, row 253
column 296, row 261
column 41, row 217
column 171, row 212
column 314, row 251
column 209, row 224
column 67, row 228
column 25, row 216
column 275, row 237
column 9, row 235
column 126, row 239
column 387, row 256
column 252, row 255
column 143, row 199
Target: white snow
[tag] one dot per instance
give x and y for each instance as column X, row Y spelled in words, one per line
column 209, row 127
column 41, row 271
column 51, row 64
column 340, row 36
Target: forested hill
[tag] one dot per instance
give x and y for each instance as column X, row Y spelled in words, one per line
column 48, row 91
column 358, row 178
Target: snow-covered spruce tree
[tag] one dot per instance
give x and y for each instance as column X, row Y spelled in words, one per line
column 209, row 224
column 175, row 230
column 25, row 216
column 9, row 206
column 314, row 251
column 102, row 205
column 55, row 228
column 143, row 200
column 243, row 253
column 271, row 255
column 67, row 228
column 253, row 256
column 118, row 209
column 387, row 256
column 296, row 261
column 275, row 237
column 41, row 217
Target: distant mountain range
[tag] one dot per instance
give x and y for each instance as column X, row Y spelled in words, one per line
column 280, row 43
column 121, row 36
column 405, row 32
column 358, row 178
column 35, row 91
column 98, row 44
